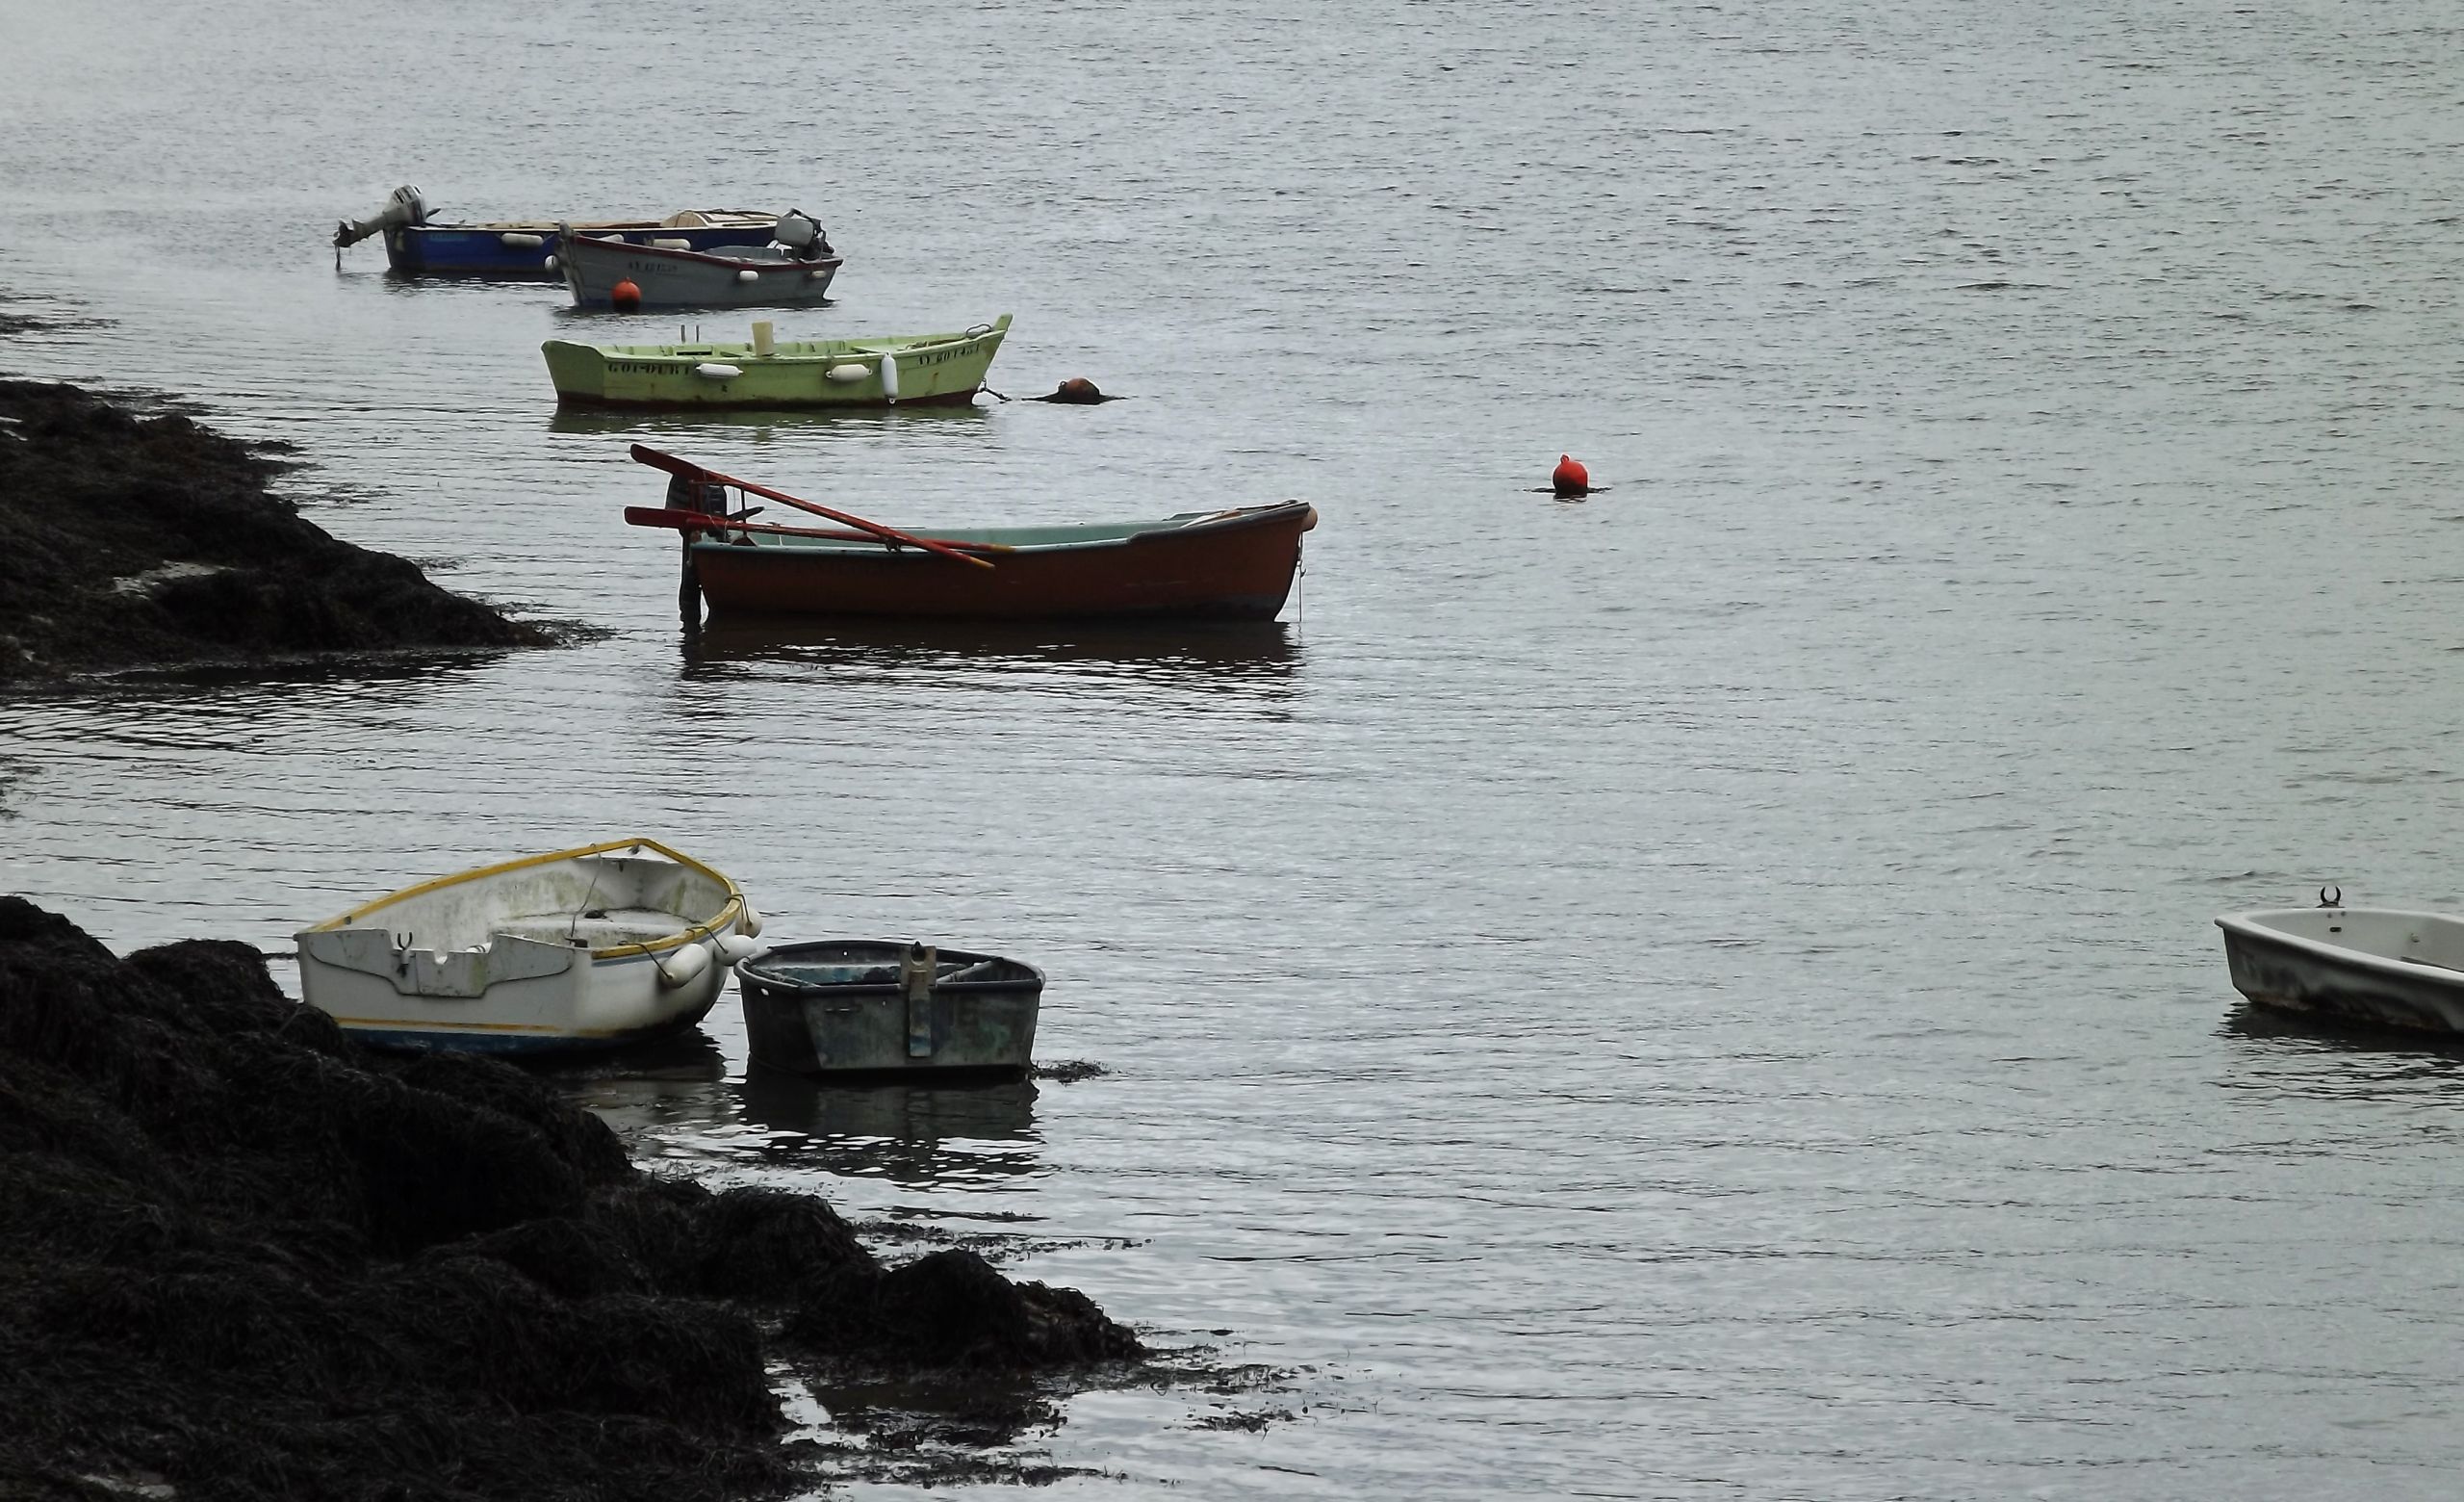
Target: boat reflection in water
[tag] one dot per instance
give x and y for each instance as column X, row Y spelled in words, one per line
column 911, row 1135
column 654, row 428
column 2284, row 1055
column 2330, row 1035
column 650, row 1088
column 1257, row 657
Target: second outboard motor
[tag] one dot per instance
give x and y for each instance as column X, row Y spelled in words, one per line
column 799, row 232
column 402, row 206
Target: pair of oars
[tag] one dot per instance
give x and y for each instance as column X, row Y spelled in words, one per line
column 696, row 521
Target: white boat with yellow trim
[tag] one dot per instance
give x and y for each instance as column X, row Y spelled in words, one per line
column 574, row 950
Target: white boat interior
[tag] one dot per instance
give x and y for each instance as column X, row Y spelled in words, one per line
column 2432, row 940
column 628, row 896
column 772, row 255
column 610, row 940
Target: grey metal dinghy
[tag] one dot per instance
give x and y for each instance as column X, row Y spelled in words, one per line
column 610, row 273
column 865, row 1006
column 2382, row 967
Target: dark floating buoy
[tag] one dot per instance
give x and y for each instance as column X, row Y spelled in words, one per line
column 1570, row 477
column 1076, row 391
column 625, row 296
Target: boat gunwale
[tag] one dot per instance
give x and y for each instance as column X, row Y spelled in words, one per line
column 805, row 989
column 2246, row 925
column 715, row 350
column 1198, row 524
column 737, row 218
column 751, row 972
column 730, row 910
column 832, row 261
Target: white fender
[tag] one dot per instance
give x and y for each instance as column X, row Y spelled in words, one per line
column 515, row 241
column 549, row 264
column 670, row 243
column 751, row 923
column 683, row 967
column 748, row 276
column 890, row 375
column 712, row 370
column 736, row 949
column 845, row 374
column 819, row 273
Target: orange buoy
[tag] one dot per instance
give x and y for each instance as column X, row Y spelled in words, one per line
column 1570, row 477
column 1077, row 391
column 625, row 296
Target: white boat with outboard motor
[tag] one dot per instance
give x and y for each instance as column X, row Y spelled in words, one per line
column 2381, row 967
column 575, row 950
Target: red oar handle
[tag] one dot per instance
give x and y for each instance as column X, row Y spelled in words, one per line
column 669, row 462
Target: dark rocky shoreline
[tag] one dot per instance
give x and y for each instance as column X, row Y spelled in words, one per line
column 245, row 1257
column 145, row 541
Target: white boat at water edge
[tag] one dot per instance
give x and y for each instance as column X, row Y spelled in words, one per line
column 579, row 949
column 2383, row 967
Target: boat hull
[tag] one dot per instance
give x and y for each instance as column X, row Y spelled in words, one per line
column 1238, row 567
column 413, row 1036
column 516, row 249
column 931, row 370
column 486, row 961
column 2376, row 966
column 593, row 268
column 590, row 1008
column 799, row 1019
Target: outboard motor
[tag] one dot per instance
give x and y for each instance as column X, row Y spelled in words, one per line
column 799, row 232
column 689, row 495
column 402, row 206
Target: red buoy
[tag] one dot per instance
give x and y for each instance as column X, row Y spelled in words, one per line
column 625, row 296
column 1570, row 477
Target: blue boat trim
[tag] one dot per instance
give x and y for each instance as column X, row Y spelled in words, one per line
column 471, row 251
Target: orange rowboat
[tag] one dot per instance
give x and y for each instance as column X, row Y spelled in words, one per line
column 1229, row 565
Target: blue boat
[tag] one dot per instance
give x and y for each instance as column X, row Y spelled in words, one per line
column 526, row 248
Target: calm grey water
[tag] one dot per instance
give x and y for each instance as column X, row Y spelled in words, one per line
column 1705, row 992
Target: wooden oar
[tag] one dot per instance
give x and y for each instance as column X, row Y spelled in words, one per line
column 703, row 521
column 692, row 471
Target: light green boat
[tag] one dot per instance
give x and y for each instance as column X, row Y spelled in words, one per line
column 889, row 369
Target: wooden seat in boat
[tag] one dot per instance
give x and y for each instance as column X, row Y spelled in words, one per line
column 599, row 929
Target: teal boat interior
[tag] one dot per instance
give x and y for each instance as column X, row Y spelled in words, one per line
column 1022, row 539
column 844, row 965
column 798, row 349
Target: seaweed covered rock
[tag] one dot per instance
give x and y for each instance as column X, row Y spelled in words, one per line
column 249, row 1258
column 951, row 1308
column 139, row 541
column 764, row 1246
column 244, row 1256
